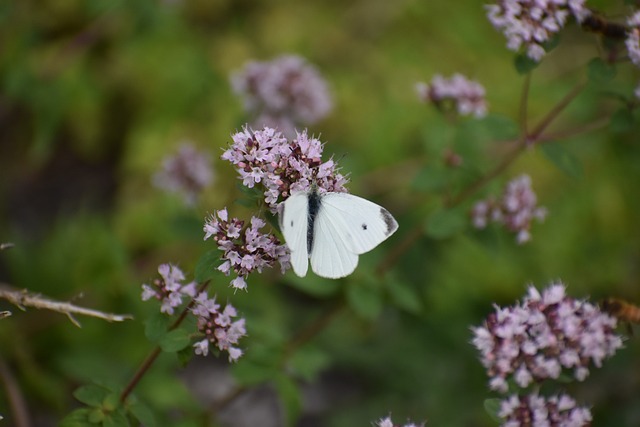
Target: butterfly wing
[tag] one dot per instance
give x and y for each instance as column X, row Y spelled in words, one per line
column 346, row 226
column 365, row 224
column 294, row 220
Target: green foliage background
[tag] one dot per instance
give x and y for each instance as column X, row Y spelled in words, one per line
column 95, row 94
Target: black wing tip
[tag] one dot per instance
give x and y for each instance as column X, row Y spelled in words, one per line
column 390, row 222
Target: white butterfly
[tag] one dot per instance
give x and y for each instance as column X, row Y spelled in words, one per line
column 332, row 229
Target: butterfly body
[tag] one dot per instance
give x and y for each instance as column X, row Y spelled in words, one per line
column 331, row 230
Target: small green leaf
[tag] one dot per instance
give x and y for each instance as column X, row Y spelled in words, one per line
column 116, row 419
column 207, row 266
column 446, row 222
column 563, row 159
column 185, row 355
column 524, row 64
column 364, row 299
column 290, row 397
column 621, row 121
column 492, row 406
column 405, row 297
column 96, row 416
column 552, row 43
column 174, row 340
column 155, row 327
column 77, row 418
column 600, row 71
column 308, row 361
column 92, row 395
column 142, row 413
column 111, row 401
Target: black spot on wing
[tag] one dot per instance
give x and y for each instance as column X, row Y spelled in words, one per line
column 391, row 223
column 364, row 226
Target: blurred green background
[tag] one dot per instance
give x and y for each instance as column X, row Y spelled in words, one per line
column 94, row 94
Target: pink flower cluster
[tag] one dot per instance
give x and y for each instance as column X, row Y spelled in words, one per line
column 386, row 422
column 466, row 96
column 546, row 333
column 169, row 288
column 515, row 209
column 529, row 24
column 633, row 38
column 283, row 93
column 218, row 327
column 281, row 166
column 187, row 172
column 535, row 410
column 245, row 249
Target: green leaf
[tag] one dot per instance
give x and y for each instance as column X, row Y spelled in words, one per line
column 175, row 340
column 445, row 223
column 621, row 121
column 96, row 416
column 290, row 397
column 552, row 43
column 524, row 64
column 364, row 299
column 116, row 419
column 92, row 395
column 308, row 361
column 155, row 327
column 600, row 71
column 563, row 159
column 405, row 297
column 207, row 266
column 142, row 413
column 492, row 406
column 77, row 418
column 185, row 355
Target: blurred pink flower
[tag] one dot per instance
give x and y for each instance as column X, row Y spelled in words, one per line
column 467, row 96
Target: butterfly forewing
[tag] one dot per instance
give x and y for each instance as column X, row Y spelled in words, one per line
column 293, row 224
column 366, row 224
column 331, row 254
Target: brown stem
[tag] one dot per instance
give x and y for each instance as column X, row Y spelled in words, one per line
column 156, row 351
column 14, row 396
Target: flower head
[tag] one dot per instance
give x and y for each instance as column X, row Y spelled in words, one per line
column 386, row 422
column 516, row 209
column 187, row 172
column 281, row 166
column 245, row 248
column 283, row 93
column 528, row 24
column 220, row 327
column 467, row 96
column 535, row 410
column 168, row 289
column 546, row 333
column 633, row 38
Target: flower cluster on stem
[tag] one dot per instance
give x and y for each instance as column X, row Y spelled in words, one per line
column 280, row 165
column 169, row 289
column 386, row 422
column 466, row 96
column 536, row 410
column 284, row 93
column 187, row 172
column 633, row 38
column 516, row 209
column 529, row 24
column 245, row 248
column 545, row 334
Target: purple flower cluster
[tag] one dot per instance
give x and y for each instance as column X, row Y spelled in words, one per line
column 535, row 410
column 546, row 333
column 633, row 38
column 515, row 209
column 245, row 249
column 466, row 96
column 169, row 288
column 187, row 172
column 282, row 93
column 386, row 422
column 529, row 24
column 218, row 327
column 282, row 166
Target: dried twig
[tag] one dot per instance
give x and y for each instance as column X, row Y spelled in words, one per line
column 23, row 299
column 6, row 245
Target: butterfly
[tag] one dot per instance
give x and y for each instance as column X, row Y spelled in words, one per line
column 331, row 230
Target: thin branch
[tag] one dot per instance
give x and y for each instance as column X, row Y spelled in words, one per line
column 23, row 298
column 6, row 245
column 524, row 102
column 14, row 396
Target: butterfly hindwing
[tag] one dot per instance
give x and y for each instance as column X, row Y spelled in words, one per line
column 294, row 224
column 331, row 255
